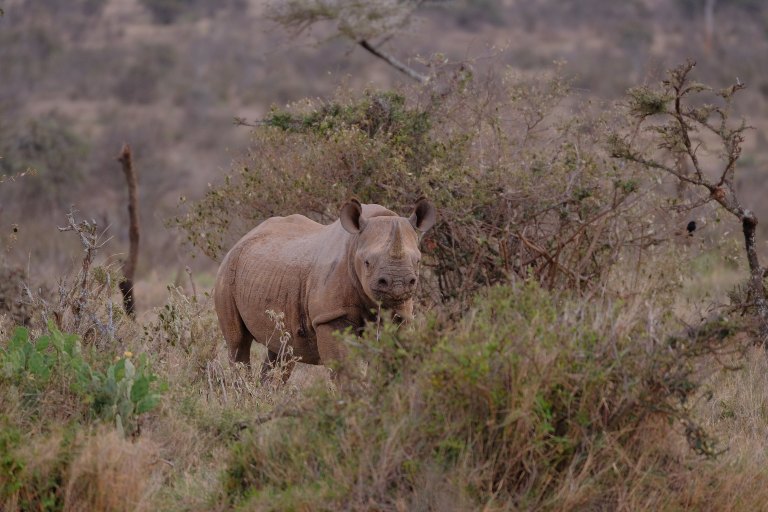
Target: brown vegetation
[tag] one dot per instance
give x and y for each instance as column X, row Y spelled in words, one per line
column 574, row 347
column 112, row 473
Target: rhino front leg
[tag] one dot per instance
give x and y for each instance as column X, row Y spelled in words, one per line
column 330, row 348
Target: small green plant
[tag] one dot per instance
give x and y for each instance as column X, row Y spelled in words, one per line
column 10, row 465
column 125, row 392
column 120, row 394
column 25, row 361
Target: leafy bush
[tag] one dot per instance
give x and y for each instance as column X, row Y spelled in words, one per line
column 532, row 394
column 545, row 198
column 120, row 394
column 10, row 466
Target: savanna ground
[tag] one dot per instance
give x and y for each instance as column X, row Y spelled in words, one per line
column 575, row 347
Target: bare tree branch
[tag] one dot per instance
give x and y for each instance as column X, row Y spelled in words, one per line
column 410, row 72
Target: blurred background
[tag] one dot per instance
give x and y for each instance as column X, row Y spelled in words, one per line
column 78, row 78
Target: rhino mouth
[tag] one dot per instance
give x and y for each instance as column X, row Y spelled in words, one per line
column 393, row 304
column 397, row 310
column 388, row 301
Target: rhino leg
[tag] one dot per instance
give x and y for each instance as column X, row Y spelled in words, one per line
column 330, row 348
column 232, row 326
column 240, row 346
column 271, row 361
column 238, row 340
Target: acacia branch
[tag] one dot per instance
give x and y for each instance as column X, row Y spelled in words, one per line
column 410, row 72
column 723, row 191
column 660, row 166
column 357, row 21
column 678, row 115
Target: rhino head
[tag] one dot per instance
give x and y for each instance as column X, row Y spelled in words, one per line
column 385, row 253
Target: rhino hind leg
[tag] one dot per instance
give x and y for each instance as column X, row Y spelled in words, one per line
column 240, row 347
column 237, row 336
column 272, row 360
column 239, row 342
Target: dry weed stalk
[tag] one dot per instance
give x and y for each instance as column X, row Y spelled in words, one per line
column 79, row 301
column 221, row 377
column 274, row 373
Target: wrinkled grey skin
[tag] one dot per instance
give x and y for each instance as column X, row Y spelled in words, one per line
column 323, row 278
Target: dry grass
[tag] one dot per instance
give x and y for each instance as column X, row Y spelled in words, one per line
column 113, row 474
column 213, row 411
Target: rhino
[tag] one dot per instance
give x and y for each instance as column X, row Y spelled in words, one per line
column 324, row 278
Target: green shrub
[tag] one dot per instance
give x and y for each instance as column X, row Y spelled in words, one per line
column 33, row 474
column 119, row 395
column 533, row 393
column 10, row 465
column 519, row 191
column 125, row 392
column 24, row 361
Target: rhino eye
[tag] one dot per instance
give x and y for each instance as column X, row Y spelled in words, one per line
column 367, row 263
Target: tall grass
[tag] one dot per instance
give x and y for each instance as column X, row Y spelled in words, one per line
column 534, row 400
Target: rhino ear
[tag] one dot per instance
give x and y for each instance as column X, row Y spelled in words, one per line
column 351, row 216
column 424, row 215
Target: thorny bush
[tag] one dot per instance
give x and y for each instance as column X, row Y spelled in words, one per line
column 522, row 190
column 685, row 131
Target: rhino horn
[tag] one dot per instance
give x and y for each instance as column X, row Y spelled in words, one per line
column 397, row 250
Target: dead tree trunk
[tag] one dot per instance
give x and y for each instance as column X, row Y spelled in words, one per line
column 126, row 285
column 756, row 273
